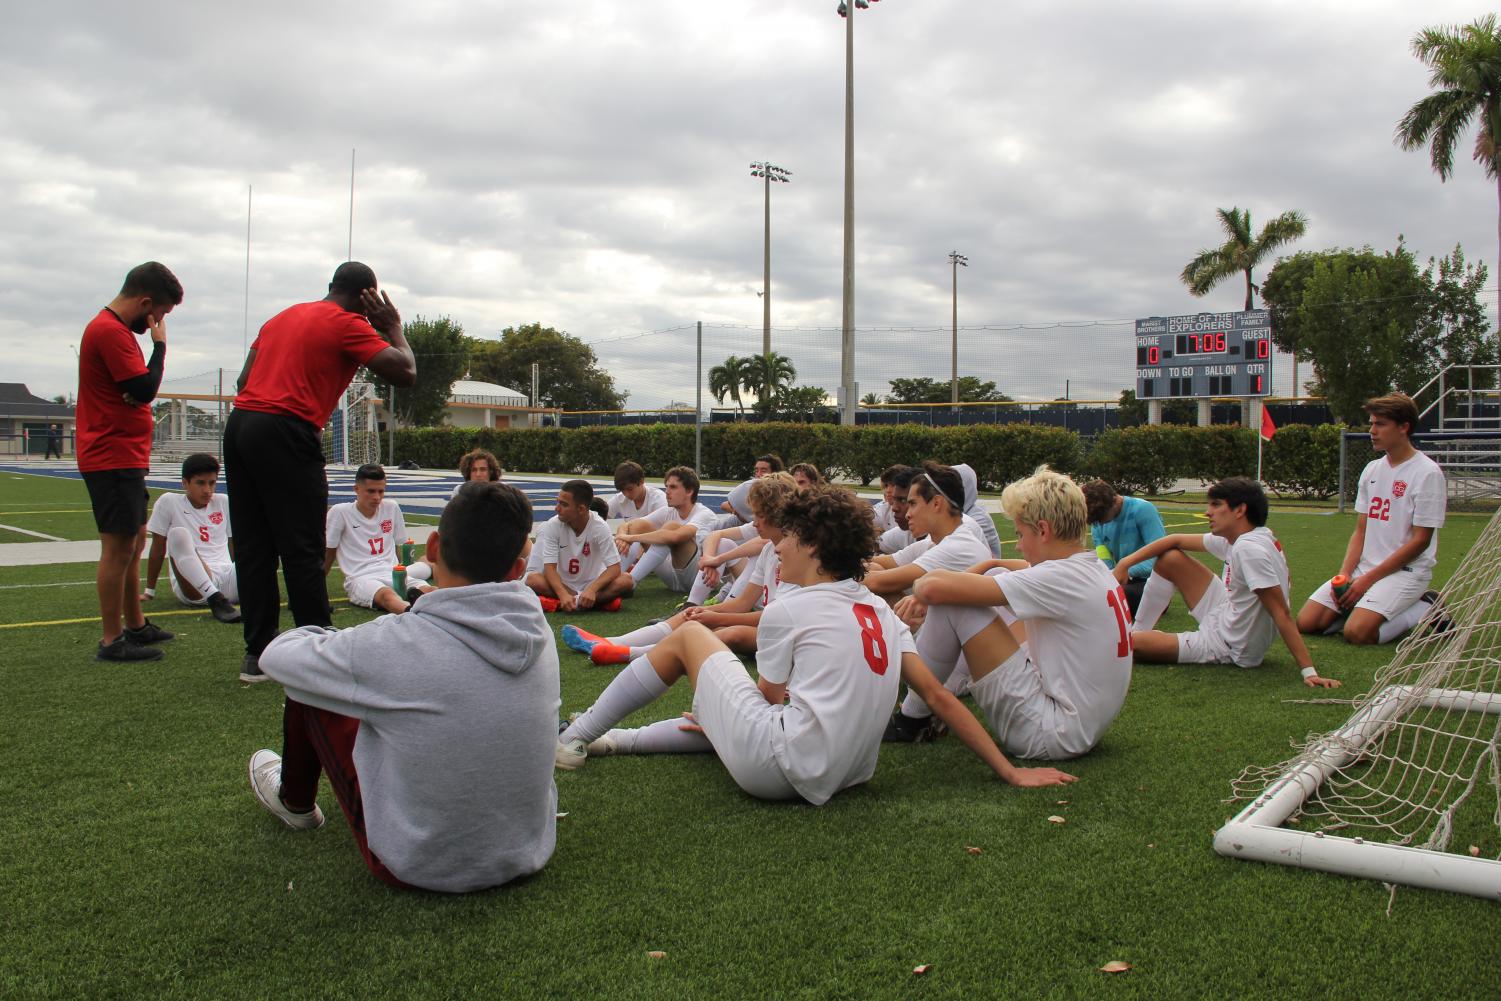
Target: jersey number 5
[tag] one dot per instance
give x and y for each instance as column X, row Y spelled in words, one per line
column 871, row 640
column 202, row 533
column 1118, row 604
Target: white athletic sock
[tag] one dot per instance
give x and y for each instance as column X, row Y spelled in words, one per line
column 700, row 589
column 662, row 737
column 190, row 569
column 632, row 554
column 1155, row 598
column 646, row 635
column 654, row 557
column 940, row 644
column 636, row 686
column 1402, row 621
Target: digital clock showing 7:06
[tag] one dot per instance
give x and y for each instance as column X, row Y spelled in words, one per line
column 1204, row 355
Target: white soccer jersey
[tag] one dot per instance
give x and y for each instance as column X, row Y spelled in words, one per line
column 1078, row 640
column 895, row 539
column 739, row 500
column 701, row 518
column 960, row 550
column 367, row 546
column 1394, row 499
column 838, row 648
column 767, row 574
column 1254, row 562
column 621, row 506
column 208, row 526
column 885, row 518
column 580, row 557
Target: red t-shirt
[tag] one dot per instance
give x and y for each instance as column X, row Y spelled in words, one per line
column 112, row 434
column 305, row 357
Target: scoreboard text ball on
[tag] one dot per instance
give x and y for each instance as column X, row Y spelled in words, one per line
column 1204, row 355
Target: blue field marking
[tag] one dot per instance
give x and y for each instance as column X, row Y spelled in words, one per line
column 420, row 491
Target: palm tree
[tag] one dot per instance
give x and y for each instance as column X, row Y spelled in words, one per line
column 768, row 376
column 1241, row 252
column 728, row 379
column 1466, row 80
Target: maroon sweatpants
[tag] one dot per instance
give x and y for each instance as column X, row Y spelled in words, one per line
column 318, row 742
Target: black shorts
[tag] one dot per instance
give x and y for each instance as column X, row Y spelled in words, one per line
column 119, row 500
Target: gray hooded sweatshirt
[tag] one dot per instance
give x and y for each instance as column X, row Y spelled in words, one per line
column 975, row 512
column 458, row 708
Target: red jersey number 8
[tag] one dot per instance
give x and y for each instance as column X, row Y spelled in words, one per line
column 871, row 640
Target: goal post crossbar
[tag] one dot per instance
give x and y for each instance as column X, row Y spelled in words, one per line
column 1257, row 834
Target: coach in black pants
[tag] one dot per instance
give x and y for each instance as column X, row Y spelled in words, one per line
column 298, row 367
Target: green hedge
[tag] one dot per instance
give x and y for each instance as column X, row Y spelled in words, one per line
column 1300, row 460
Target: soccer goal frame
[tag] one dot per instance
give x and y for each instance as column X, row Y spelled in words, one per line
column 1257, row 832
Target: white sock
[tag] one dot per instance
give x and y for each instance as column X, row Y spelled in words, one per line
column 638, row 685
column 641, row 650
column 646, row 635
column 1402, row 621
column 662, row 737
column 940, row 644
column 632, row 554
column 654, row 557
column 190, row 569
column 420, row 571
column 700, row 589
column 1155, row 598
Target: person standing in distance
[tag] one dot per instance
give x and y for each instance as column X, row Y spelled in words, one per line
column 300, row 364
column 113, row 445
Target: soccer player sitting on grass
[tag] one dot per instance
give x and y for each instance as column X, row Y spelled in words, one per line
column 192, row 528
column 735, row 509
column 634, row 498
column 478, row 465
column 1238, row 617
column 436, row 729
column 670, row 538
column 573, row 566
column 830, row 658
column 1120, row 526
column 975, row 512
column 947, row 539
column 733, row 621
column 362, row 535
column 899, row 536
column 1052, row 694
column 1389, row 562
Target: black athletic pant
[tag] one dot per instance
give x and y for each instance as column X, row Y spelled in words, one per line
column 278, row 505
column 1134, row 586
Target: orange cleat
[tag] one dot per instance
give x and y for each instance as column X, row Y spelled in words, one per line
column 613, row 605
column 548, row 604
column 605, row 652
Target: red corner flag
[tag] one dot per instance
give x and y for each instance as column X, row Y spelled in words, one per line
column 1267, row 427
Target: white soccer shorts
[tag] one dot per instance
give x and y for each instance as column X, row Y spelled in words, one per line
column 1394, row 593
column 739, row 722
column 1205, row 646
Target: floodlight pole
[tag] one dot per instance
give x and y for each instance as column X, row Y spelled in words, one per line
column 847, row 339
column 769, row 172
column 957, row 261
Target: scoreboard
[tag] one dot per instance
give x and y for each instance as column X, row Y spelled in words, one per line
column 1204, row 355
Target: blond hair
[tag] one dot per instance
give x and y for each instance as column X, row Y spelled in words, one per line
column 769, row 493
column 1051, row 497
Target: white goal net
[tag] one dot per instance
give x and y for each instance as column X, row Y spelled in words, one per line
column 352, row 437
column 1407, row 790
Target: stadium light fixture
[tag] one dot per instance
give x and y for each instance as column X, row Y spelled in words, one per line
column 768, row 172
column 847, row 387
column 957, row 261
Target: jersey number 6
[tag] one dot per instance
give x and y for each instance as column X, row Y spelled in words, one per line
column 873, row 643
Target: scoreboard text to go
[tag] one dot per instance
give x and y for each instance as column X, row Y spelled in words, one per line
column 1204, row 355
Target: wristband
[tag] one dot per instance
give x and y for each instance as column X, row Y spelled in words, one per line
column 148, row 592
column 1310, row 672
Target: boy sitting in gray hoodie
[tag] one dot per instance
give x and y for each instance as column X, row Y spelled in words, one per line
column 437, row 728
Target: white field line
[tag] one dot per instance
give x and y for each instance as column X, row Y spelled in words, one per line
column 27, row 531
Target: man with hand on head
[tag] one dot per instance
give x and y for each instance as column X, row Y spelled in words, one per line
column 297, row 369
column 114, row 427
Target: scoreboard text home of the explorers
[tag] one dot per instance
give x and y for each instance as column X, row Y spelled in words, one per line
column 1204, row 355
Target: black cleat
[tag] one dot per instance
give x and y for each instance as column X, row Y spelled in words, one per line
column 223, row 610
column 1438, row 621
column 909, row 730
column 413, row 593
column 148, row 632
column 125, row 651
column 250, row 670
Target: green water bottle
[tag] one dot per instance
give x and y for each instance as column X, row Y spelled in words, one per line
column 405, row 549
column 1339, row 585
column 399, row 580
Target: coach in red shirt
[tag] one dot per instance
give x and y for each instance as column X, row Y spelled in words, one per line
column 115, row 390
column 297, row 369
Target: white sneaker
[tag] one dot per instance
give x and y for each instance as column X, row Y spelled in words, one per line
column 265, row 782
column 570, row 755
column 603, row 747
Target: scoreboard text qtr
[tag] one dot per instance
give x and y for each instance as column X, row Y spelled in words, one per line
column 1204, row 355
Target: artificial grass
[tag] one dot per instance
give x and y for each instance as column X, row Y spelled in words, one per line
column 137, row 862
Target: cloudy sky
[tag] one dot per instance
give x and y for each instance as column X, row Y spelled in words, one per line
column 584, row 165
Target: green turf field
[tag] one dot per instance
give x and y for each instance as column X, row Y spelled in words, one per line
column 137, row 863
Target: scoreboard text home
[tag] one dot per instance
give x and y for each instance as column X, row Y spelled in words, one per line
column 1204, row 355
